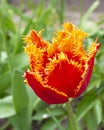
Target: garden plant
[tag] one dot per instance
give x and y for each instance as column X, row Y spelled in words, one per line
column 51, row 70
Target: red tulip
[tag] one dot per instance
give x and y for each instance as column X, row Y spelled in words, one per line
column 60, row 70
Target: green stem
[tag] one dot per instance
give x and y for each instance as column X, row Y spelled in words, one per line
column 72, row 121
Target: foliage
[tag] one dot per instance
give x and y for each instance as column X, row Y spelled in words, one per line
column 18, row 103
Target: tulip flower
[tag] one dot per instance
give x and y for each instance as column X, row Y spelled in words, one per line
column 62, row 69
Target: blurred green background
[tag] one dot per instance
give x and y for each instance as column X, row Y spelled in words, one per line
column 20, row 108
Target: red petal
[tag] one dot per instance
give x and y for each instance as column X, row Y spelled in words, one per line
column 86, row 78
column 65, row 78
column 47, row 94
column 35, row 38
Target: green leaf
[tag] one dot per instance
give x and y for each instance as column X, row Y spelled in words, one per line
column 94, row 83
column 20, row 96
column 5, row 81
column 85, row 105
column 89, row 11
column 28, row 26
column 50, row 124
column 52, row 3
column 19, row 61
column 40, row 8
column 15, row 10
column 90, row 121
column 62, row 11
column 100, row 63
column 6, row 107
column 32, row 96
column 9, row 24
column 45, row 17
column 102, row 94
column 43, row 114
column 39, row 104
column 91, row 27
column 22, row 119
column 98, row 110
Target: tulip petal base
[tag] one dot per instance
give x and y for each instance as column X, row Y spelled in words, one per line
column 60, row 70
